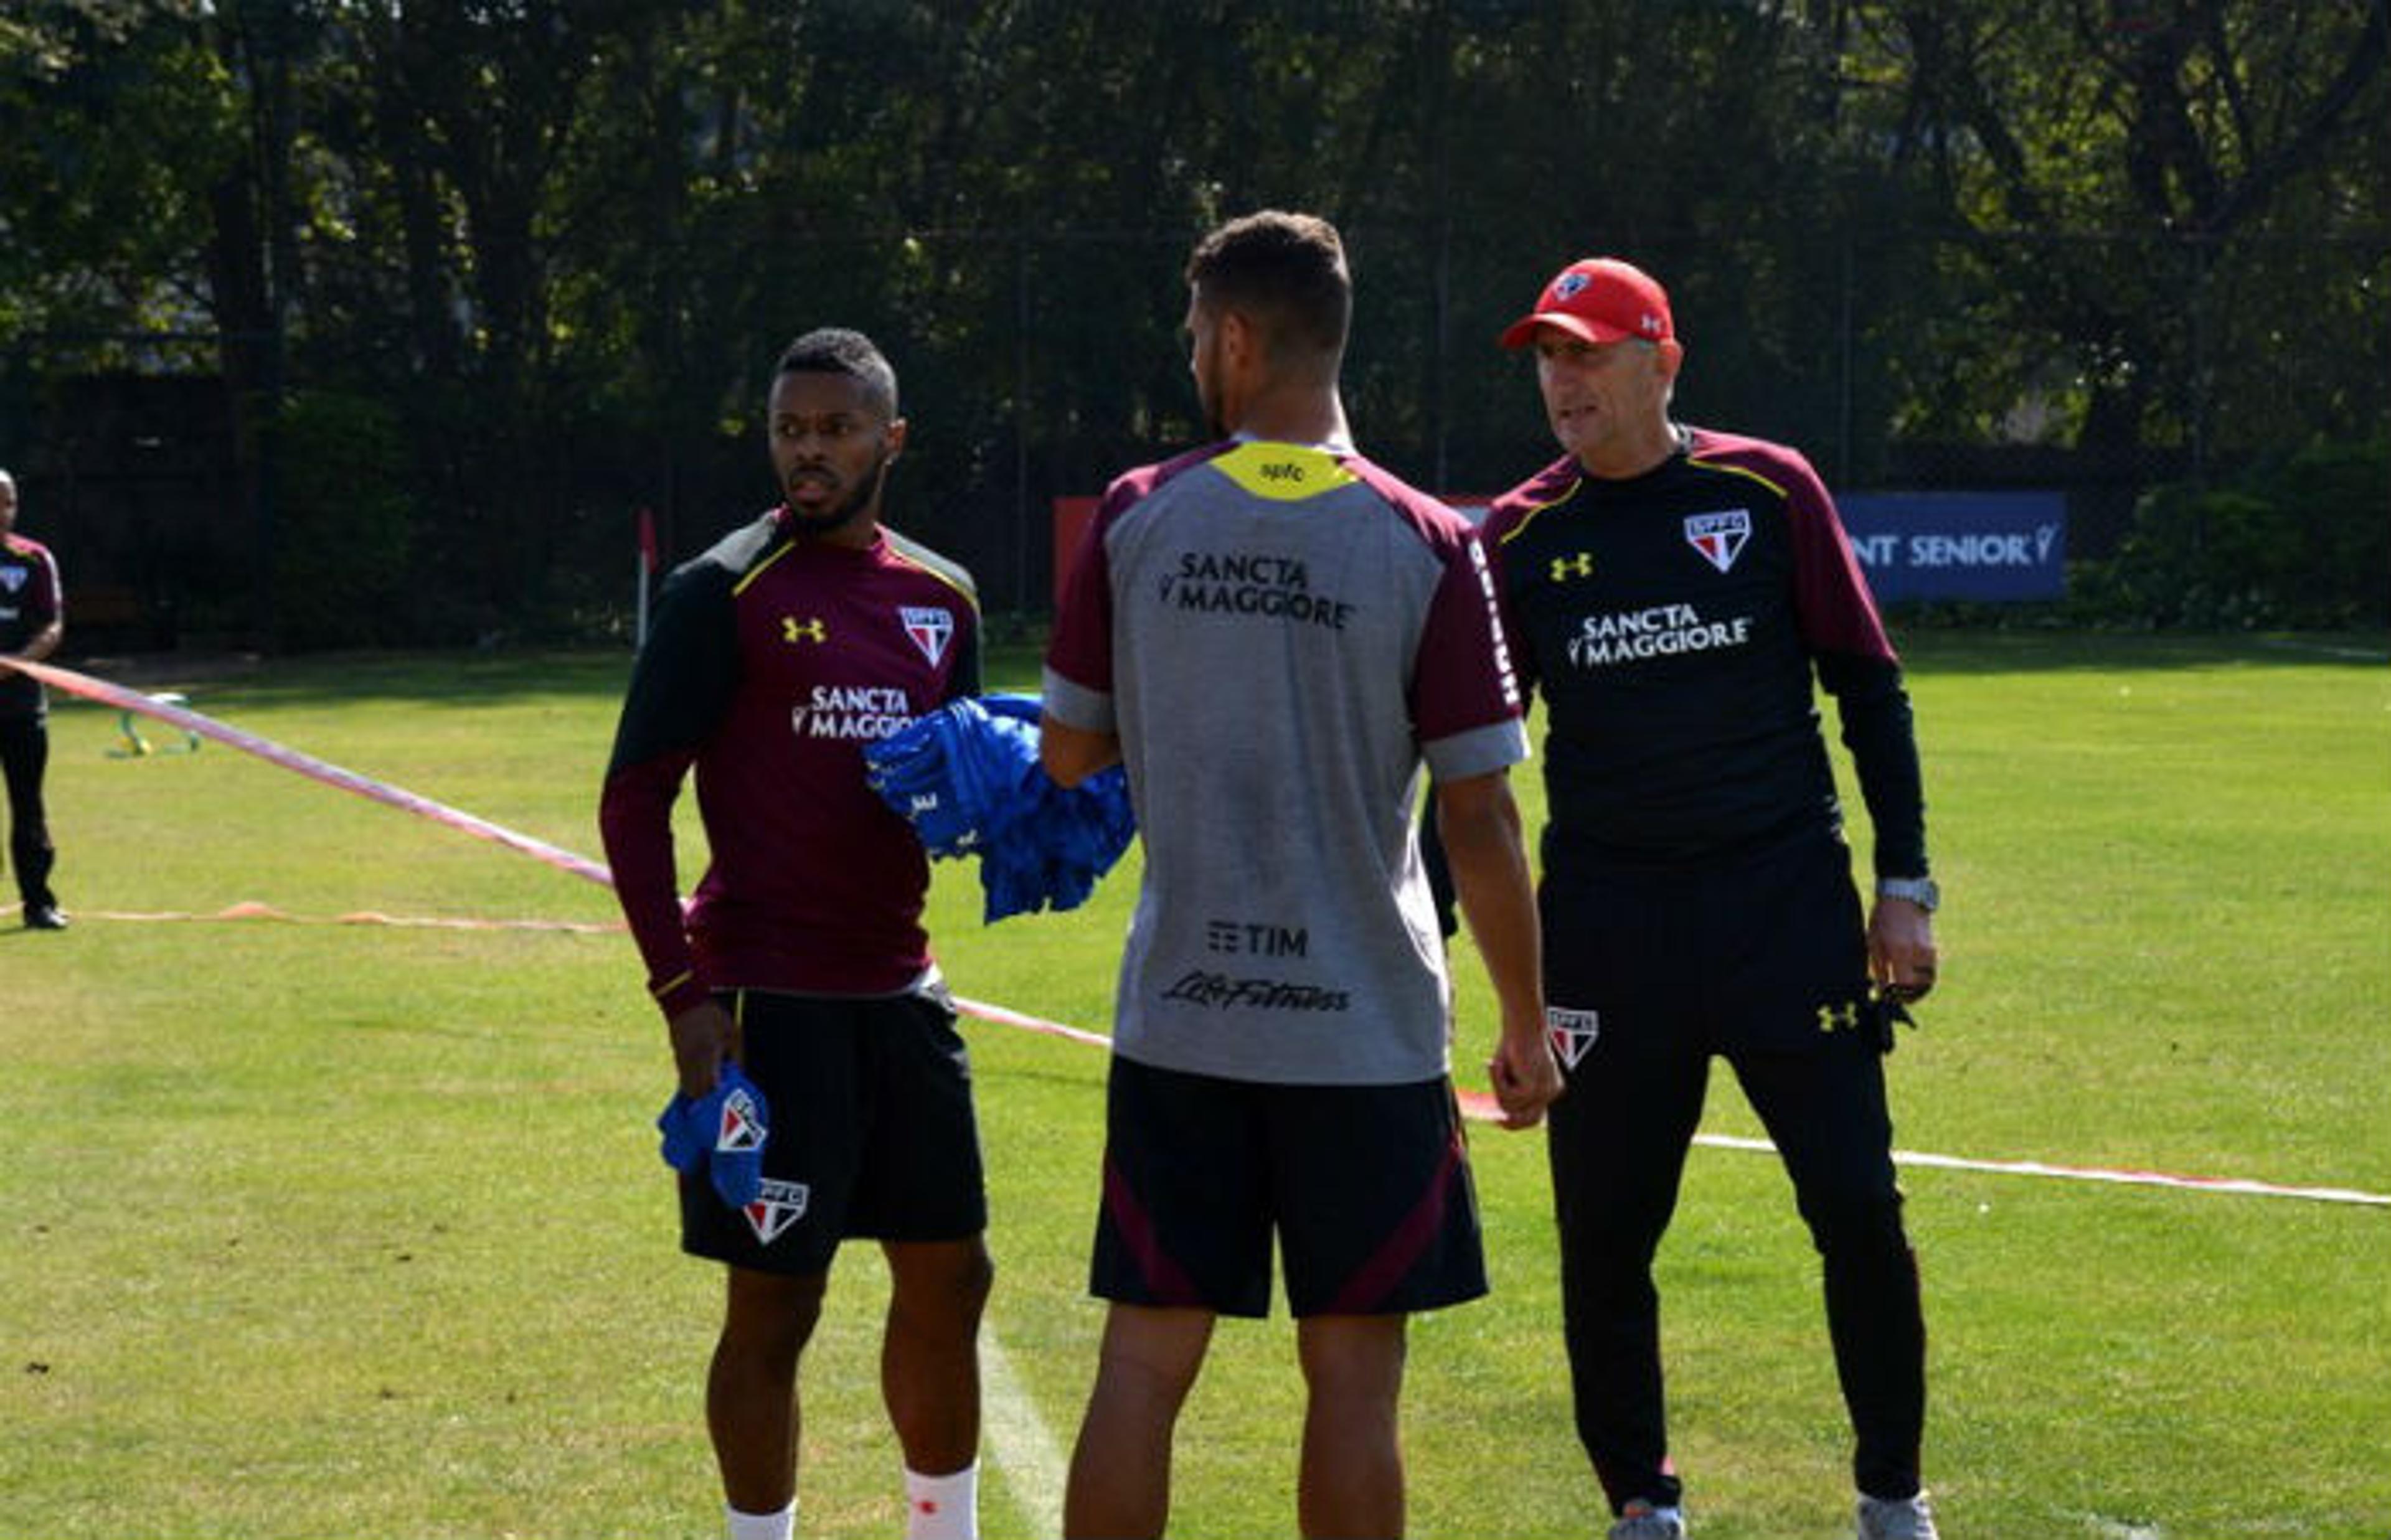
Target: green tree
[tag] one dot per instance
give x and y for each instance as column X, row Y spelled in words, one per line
column 2141, row 189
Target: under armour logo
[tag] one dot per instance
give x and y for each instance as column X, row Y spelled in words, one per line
column 1842, row 1017
column 795, row 630
column 1566, row 567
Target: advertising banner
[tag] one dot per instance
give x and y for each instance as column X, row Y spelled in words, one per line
column 1990, row 546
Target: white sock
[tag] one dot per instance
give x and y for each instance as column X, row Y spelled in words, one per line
column 943, row 1507
column 761, row 1526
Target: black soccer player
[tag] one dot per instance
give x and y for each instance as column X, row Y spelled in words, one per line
column 32, row 619
column 776, row 657
column 1672, row 591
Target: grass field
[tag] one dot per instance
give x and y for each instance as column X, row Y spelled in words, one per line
column 319, row 1230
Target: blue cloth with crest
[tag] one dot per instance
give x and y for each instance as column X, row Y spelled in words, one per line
column 722, row 1134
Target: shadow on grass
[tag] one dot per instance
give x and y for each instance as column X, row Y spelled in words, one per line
column 333, row 677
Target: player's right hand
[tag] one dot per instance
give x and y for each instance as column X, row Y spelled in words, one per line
column 702, row 1036
column 1527, row 1079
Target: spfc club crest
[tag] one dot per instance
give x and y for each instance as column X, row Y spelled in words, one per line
column 931, row 631
column 1572, row 1032
column 742, row 1124
column 780, row 1205
column 1719, row 536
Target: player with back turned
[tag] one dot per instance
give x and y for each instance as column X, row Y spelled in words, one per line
column 1277, row 638
column 776, row 657
column 1672, row 591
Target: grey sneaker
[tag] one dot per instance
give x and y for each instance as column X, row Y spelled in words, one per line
column 1640, row 1521
column 1896, row 1519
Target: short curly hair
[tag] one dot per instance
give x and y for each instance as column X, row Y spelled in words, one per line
column 838, row 350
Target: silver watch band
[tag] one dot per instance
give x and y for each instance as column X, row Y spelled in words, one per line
column 1920, row 891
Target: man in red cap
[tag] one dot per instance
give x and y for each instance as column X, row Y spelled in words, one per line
column 1671, row 590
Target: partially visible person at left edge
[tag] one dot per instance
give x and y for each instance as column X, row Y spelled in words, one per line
column 775, row 658
column 32, row 619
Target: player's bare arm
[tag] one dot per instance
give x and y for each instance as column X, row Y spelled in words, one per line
column 44, row 642
column 1071, row 754
column 1480, row 823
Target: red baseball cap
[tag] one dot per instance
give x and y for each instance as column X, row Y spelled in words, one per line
column 1599, row 300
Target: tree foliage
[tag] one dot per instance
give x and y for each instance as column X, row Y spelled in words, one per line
column 562, row 239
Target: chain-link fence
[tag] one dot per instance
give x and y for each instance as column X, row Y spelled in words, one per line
column 1035, row 365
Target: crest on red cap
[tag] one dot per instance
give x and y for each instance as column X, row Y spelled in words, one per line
column 1599, row 300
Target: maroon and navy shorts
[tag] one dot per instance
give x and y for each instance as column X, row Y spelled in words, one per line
column 1365, row 1187
column 872, row 1132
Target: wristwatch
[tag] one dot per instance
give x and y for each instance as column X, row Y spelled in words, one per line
column 1920, row 891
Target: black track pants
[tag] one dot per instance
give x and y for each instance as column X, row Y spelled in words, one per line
column 1763, row 964
column 24, row 756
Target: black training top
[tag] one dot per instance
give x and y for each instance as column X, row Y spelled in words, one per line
column 1672, row 620
column 773, row 662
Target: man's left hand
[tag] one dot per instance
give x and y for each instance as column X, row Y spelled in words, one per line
column 1901, row 949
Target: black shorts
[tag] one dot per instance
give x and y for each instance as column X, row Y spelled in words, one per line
column 872, row 1132
column 1366, row 1187
column 1765, row 951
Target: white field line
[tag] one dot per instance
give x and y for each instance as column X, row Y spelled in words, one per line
column 1478, row 1105
column 1024, row 1447
column 2363, row 655
column 2091, row 1174
column 2112, row 1529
